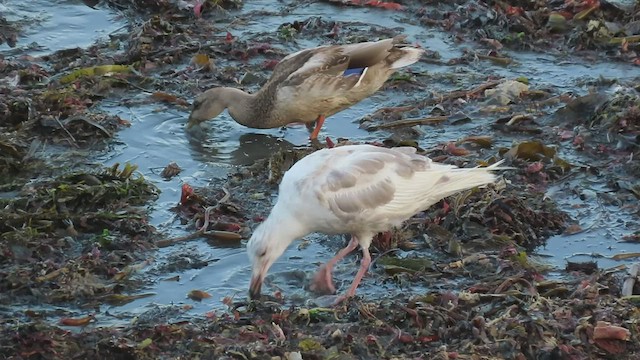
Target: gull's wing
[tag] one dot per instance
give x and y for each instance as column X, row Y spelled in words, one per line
column 370, row 183
column 355, row 180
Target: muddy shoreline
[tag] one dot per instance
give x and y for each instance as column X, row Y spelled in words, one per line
column 76, row 234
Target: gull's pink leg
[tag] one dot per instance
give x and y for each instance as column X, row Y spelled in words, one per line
column 323, row 280
column 364, row 266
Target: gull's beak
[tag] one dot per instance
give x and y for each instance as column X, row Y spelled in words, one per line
column 255, row 287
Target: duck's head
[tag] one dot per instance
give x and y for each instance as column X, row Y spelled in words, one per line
column 207, row 106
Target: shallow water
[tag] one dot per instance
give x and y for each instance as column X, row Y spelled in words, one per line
column 51, row 25
column 604, row 226
column 156, row 138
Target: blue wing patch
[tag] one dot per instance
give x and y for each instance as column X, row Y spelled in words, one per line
column 358, row 71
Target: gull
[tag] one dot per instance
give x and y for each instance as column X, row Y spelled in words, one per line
column 353, row 189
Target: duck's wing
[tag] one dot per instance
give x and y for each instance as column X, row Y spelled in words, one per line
column 332, row 60
column 322, row 77
column 365, row 54
column 309, row 77
column 335, row 59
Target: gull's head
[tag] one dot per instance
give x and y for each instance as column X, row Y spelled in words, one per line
column 264, row 248
column 207, row 106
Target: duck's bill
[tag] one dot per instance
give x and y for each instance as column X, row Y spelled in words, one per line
column 192, row 122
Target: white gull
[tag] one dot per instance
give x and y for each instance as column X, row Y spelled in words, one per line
column 353, row 189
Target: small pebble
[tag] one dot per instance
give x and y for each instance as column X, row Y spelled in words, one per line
column 293, row 355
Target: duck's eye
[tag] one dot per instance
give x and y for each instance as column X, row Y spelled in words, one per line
column 263, row 253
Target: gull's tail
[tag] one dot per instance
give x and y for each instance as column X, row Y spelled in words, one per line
column 438, row 181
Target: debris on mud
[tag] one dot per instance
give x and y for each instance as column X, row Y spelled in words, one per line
column 8, row 33
column 89, row 200
column 514, row 316
column 71, row 238
column 78, row 238
column 170, row 171
column 542, row 26
column 174, row 7
column 389, row 5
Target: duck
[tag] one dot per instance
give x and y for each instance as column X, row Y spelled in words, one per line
column 309, row 85
column 359, row 190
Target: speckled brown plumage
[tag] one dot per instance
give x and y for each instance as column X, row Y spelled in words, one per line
column 309, row 85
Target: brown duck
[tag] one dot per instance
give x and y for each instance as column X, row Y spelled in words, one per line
column 309, row 85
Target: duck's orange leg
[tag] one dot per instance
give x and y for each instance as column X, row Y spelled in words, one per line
column 316, row 131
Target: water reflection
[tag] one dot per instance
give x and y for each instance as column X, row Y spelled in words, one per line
column 258, row 146
column 249, row 147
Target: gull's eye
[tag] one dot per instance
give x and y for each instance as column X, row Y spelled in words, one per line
column 263, row 253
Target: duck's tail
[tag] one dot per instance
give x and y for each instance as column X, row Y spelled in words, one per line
column 404, row 56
